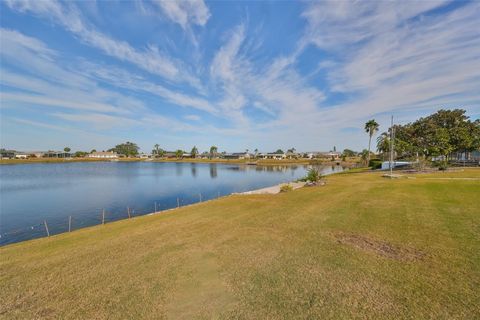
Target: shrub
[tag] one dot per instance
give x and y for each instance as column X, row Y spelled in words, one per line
column 313, row 175
column 375, row 163
column 286, row 188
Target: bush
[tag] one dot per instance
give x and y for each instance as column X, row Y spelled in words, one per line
column 375, row 163
column 313, row 175
column 286, row 188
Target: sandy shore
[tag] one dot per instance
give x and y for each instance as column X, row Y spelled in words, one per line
column 274, row 189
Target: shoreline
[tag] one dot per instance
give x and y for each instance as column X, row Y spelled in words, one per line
column 348, row 164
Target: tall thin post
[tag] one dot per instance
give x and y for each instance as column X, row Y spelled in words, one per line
column 69, row 223
column 46, row 227
column 155, row 206
column 178, row 203
column 128, row 211
column 200, row 194
column 391, row 148
column 103, row 216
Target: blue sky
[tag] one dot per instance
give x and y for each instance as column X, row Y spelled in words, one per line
column 239, row 75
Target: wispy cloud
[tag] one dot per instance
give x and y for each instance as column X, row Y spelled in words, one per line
column 150, row 59
column 398, row 55
column 186, row 12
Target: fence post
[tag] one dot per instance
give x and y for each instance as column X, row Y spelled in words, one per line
column 69, row 223
column 178, row 203
column 128, row 211
column 200, row 196
column 155, row 206
column 46, row 227
column 103, row 216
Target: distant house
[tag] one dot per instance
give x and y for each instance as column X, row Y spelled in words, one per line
column 144, row 156
column 36, row 154
column 237, row 155
column 103, row 155
column 57, row 154
column 7, row 154
column 332, row 154
column 466, row 156
column 21, row 155
column 291, row 155
column 273, row 156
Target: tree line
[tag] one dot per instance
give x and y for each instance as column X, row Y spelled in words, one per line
column 442, row 133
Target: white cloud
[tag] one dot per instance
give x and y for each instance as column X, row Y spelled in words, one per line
column 43, row 81
column 123, row 79
column 396, row 57
column 99, row 121
column 192, row 117
column 185, row 12
column 150, row 59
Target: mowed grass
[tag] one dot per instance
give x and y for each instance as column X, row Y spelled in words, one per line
column 361, row 247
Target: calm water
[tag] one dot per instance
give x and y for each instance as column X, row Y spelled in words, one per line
column 32, row 193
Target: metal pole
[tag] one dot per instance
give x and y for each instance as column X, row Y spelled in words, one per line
column 391, row 147
column 69, row 223
column 46, row 227
column 103, row 216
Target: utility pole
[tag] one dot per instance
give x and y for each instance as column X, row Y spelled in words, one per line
column 391, row 148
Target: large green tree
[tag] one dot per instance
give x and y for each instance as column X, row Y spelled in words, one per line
column 371, row 127
column 439, row 134
column 128, row 149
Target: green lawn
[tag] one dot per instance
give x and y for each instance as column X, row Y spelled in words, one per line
column 361, row 247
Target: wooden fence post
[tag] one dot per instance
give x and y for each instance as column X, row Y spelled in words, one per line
column 128, row 211
column 69, row 223
column 46, row 227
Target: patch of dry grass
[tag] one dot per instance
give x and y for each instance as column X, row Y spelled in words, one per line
column 360, row 247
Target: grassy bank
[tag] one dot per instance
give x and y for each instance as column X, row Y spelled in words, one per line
column 360, row 247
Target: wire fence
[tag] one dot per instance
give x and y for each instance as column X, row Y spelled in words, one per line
column 52, row 225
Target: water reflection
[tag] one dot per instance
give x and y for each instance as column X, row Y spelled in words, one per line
column 213, row 170
column 193, row 169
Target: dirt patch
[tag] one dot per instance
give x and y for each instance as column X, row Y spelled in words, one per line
column 382, row 248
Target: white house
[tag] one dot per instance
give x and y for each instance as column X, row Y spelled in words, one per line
column 103, row 155
column 274, row 156
column 21, row 155
column 237, row 155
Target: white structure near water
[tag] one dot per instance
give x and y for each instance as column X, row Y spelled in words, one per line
column 103, row 155
column 395, row 164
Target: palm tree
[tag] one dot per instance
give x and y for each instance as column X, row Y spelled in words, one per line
column 157, row 149
column 383, row 143
column 371, row 127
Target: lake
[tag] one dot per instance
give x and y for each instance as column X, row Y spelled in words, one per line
column 33, row 193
